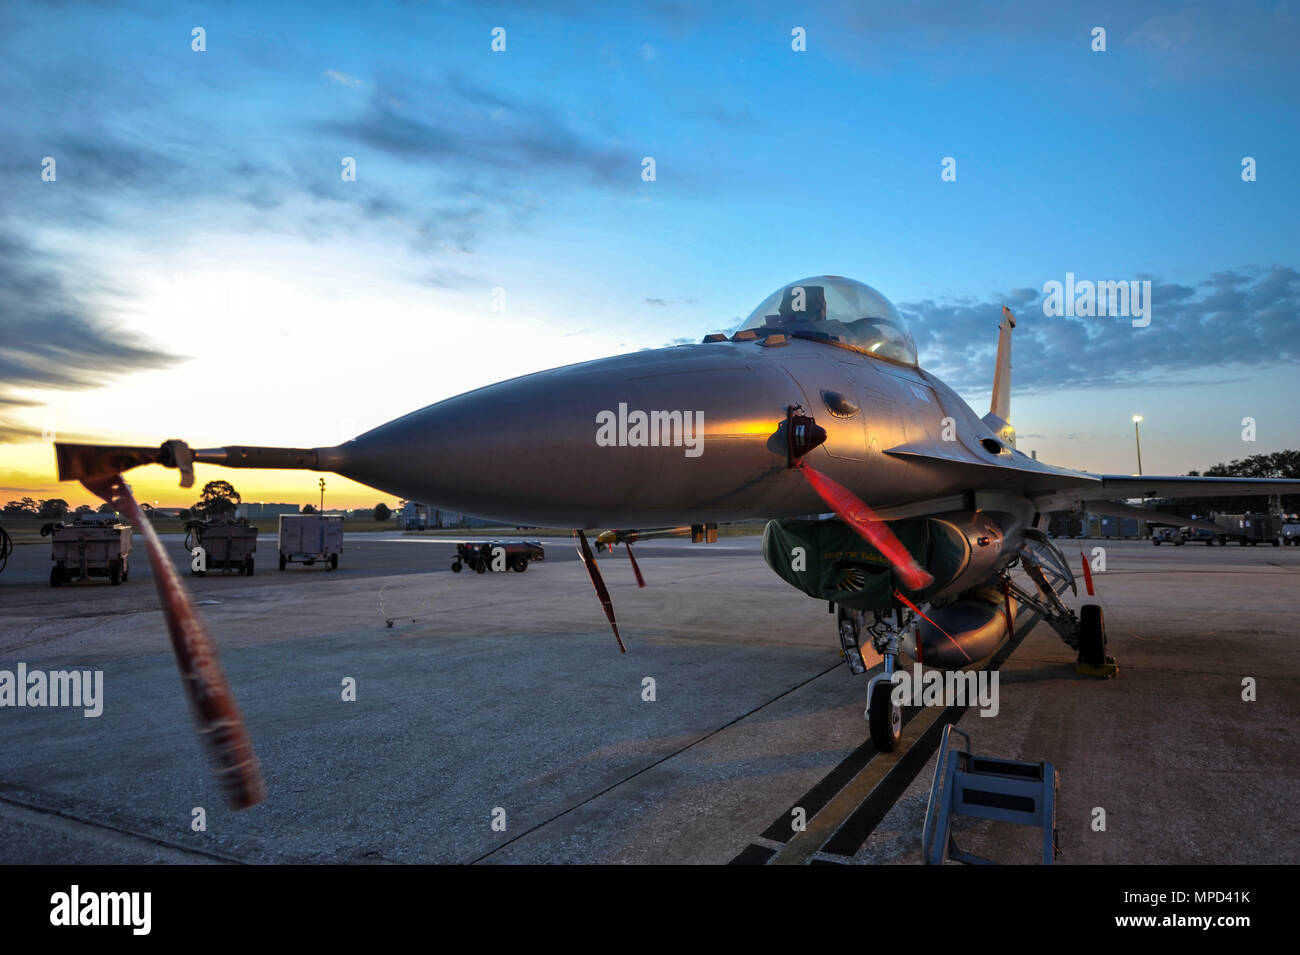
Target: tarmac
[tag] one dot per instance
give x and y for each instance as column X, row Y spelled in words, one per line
column 495, row 721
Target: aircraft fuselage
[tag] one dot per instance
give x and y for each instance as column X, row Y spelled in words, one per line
column 686, row 434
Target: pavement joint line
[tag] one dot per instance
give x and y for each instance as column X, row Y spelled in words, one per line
column 663, row 759
column 854, row 833
column 822, row 827
column 56, row 818
column 819, row 796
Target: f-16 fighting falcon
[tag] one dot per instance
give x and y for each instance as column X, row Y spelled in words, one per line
column 815, row 406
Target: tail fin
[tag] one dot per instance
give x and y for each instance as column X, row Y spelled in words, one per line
column 998, row 418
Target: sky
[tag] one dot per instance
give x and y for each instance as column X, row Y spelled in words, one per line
column 199, row 267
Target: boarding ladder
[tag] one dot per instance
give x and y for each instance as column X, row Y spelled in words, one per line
column 1005, row 790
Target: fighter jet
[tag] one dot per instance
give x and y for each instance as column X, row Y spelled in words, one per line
column 885, row 494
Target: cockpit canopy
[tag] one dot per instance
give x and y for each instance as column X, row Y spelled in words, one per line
column 839, row 311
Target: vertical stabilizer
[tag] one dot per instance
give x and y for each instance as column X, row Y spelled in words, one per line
column 999, row 417
column 1001, row 404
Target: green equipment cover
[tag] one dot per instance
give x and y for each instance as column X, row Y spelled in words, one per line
column 839, row 566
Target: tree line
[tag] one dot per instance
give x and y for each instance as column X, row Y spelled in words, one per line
column 217, row 499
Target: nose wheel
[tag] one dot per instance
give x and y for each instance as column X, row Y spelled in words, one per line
column 884, row 717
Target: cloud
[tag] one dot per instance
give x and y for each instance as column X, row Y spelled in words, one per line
column 346, row 79
column 1184, row 40
column 1238, row 318
column 456, row 122
column 444, row 168
column 1200, row 38
column 54, row 335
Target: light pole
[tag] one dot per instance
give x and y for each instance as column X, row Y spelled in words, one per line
column 1136, row 437
column 322, row 489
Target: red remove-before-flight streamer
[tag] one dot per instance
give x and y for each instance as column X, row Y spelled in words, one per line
column 872, row 529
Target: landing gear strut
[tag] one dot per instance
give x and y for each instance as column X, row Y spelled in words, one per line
column 850, row 622
column 883, row 716
column 1084, row 632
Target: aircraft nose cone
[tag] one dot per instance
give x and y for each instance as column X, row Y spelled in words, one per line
column 622, row 442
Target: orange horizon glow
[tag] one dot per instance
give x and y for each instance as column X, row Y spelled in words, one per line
column 160, row 486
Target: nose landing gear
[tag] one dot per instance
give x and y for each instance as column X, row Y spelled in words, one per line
column 883, row 716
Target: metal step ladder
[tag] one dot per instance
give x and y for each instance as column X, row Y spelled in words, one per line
column 1006, row 790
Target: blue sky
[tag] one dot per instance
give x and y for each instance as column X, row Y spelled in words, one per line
column 198, row 209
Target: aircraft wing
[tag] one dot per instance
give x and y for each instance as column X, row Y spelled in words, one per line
column 1062, row 489
column 1128, row 485
column 1146, row 514
column 1119, row 487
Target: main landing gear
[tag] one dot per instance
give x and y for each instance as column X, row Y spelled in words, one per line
column 1084, row 633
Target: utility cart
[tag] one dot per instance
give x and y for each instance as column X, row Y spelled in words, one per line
column 94, row 545
column 308, row 538
column 228, row 545
column 479, row 555
column 1168, row 535
column 1249, row 528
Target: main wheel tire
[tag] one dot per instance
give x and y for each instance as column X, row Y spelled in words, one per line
column 519, row 564
column 283, row 561
column 56, row 576
column 334, row 561
column 1092, row 635
column 126, row 570
column 1156, row 541
column 480, row 567
column 884, row 718
column 456, row 567
column 115, row 573
column 248, row 566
